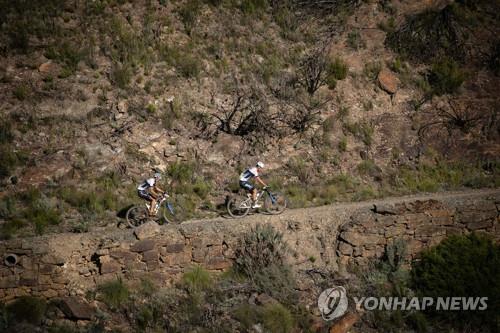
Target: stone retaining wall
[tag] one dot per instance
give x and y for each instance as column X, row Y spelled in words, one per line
column 328, row 237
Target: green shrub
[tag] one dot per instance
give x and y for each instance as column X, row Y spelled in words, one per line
column 197, row 279
column 248, row 315
column 5, row 132
column 368, row 167
column 354, row 40
column 360, row 130
column 93, row 201
column 182, row 172
column 114, row 293
column 66, row 53
column 189, row 13
column 297, row 196
column 262, row 247
column 299, row 168
column 338, row 69
column 277, row 319
column 8, row 161
column 372, row 69
column 462, row 266
column 26, row 309
column 343, row 144
column 444, row 175
column 21, row 92
column 261, row 257
column 446, row 76
column 364, row 193
column 122, row 75
column 367, row 105
column 189, row 65
column 253, row 6
column 388, row 26
column 42, row 216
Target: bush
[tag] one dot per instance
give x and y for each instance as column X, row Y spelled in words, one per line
column 446, row 76
column 277, row 319
column 8, row 161
column 368, row 167
column 431, row 34
column 253, row 6
column 122, row 75
column 462, row 266
column 188, row 13
column 338, row 68
column 26, row 309
column 299, row 168
column 360, row 130
column 197, row 279
column 343, row 144
column 248, row 315
column 372, row 69
column 67, row 54
column 354, row 40
column 114, row 293
column 261, row 257
column 445, row 175
column 182, row 172
column 5, row 132
column 189, row 65
column 21, row 92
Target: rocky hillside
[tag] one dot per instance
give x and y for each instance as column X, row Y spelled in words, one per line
column 342, row 99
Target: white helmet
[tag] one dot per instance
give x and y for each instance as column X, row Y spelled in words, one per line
column 260, row 164
column 157, row 175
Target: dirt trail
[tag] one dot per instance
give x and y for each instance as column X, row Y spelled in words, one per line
column 348, row 207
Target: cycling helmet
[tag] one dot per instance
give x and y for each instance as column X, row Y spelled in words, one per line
column 260, row 164
column 157, row 175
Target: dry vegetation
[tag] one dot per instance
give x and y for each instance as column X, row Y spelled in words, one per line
column 87, row 108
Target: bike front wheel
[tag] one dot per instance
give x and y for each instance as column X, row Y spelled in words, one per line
column 172, row 213
column 136, row 216
column 275, row 203
column 238, row 206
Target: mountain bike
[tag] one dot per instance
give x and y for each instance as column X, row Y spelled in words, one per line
column 274, row 203
column 164, row 213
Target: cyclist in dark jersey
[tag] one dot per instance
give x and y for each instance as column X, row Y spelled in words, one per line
column 149, row 190
column 246, row 176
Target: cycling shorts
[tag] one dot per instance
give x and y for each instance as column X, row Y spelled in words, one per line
column 145, row 195
column 246, row 185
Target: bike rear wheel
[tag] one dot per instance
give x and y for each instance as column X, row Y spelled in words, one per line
column 275, row 203
column 136, row 216
column 238, row 206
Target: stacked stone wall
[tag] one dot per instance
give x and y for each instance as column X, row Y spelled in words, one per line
column 329, row 238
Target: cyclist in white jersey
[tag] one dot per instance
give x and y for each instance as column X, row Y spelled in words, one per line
column 149, row 190
column 247, row 175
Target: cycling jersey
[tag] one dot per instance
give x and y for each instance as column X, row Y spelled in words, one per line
column 147, row 184
column 249, row 174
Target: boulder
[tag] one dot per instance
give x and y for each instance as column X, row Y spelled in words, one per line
column 345, row 323
column 147, row 230
column 388, row 81
column 76, row 308
column 49, row 69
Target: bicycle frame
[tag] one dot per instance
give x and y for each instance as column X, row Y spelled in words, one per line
column 260, row 195
column 159, row 203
